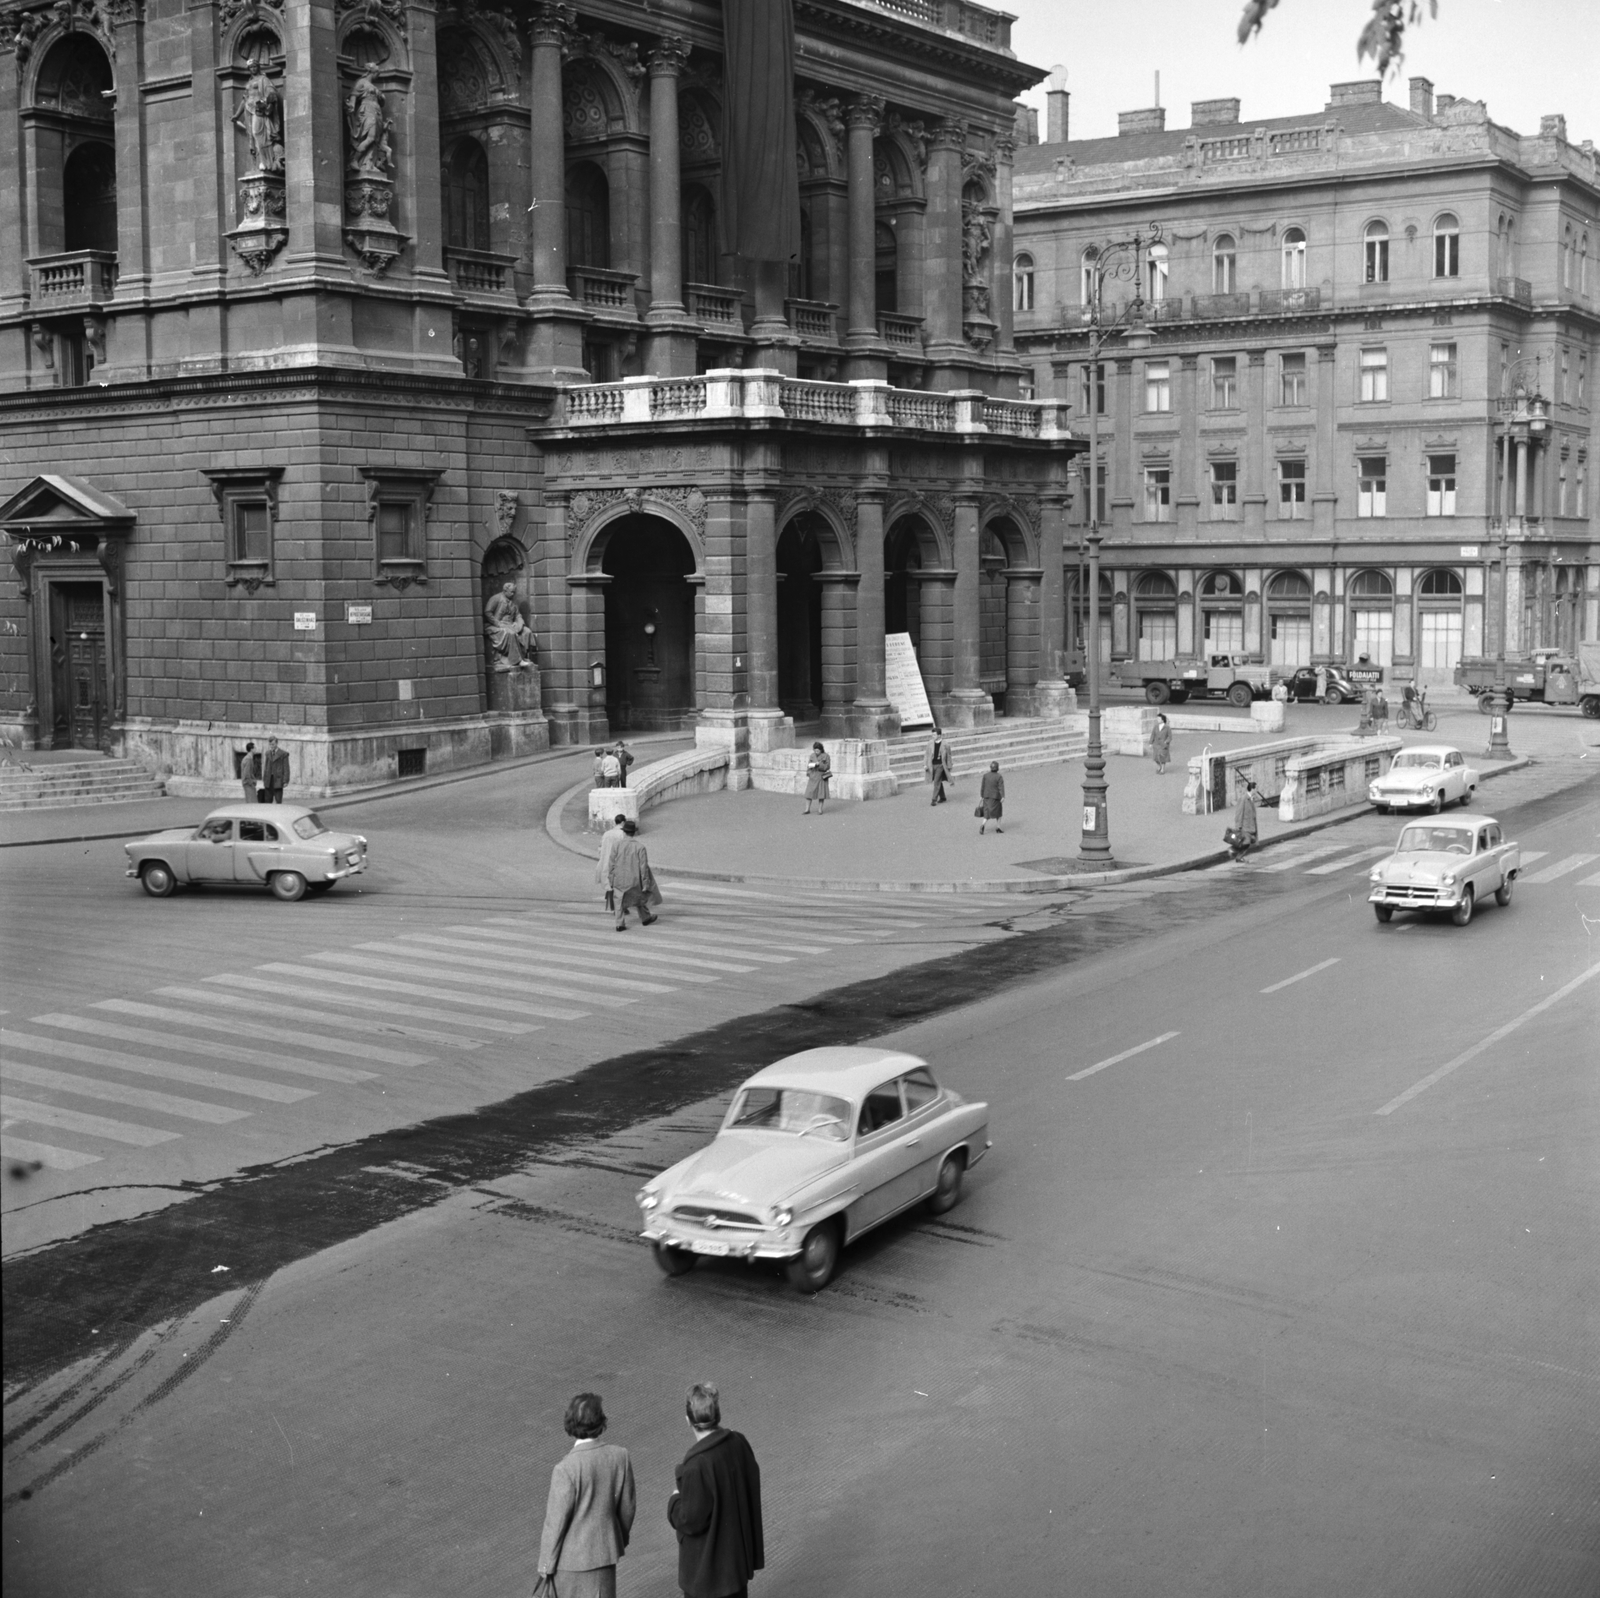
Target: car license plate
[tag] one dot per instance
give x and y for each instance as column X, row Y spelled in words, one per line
column 719, row 1249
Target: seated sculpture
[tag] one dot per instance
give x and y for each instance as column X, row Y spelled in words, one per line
column 511, row 639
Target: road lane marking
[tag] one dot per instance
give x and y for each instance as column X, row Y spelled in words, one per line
column 1528, row 856
column 519, row 960
column 36, row 1114
column 1117, row 1059
column 139, row 1065
column 705, row 940
column 587, row 954
column 438, row 966
column 86, row 1087
column 1300, row 976
column 21, row 1148
column 328, row 1018
column 1301, row 858
column 657, row 954
column 1559, row 869
column 1488, row 1042
column 1583, row 882
column 1348, row 861
column 473, row 1000
column 270, row 1034
column 389, row 1007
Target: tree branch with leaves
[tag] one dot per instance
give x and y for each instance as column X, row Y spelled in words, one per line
column 1383, row 38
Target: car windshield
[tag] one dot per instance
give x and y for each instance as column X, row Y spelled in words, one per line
column 793, row 1110
column 1410, row 759
column 308, row 825
column 1435, row 840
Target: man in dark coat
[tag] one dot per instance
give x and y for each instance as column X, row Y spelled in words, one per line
column 274, row 773
column 716, row 1510
column 629, row 877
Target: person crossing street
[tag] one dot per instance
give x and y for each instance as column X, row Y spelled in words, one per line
column 630, row 878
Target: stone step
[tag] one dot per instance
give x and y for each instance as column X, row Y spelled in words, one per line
column 79, row 782
column 1017, row 743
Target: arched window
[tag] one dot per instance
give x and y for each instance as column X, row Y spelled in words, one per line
column 588, row 216
column 1294, row 258
column 1372, row 585
column 1157, row 271
column 1022, row 283
column 1292, row 588
column 886, row 266
column 1222, row 585
column 89, row 198
column 1376, row 253
column 1583, row 265
column 699, row 236
column 75, row 143
column 1439, row 584
column 1224, row 265
column 1089, row 276
column 466, row 196
column 1222, row 613
column 1447, row 246
column 1156, row 597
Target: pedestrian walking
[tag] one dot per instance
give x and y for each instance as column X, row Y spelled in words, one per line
column 274, row 773
column 589, row 1513
column 250, row 774
column 716, row 1510
column 1322, row 683
column 992, row 792
column 630, row 878
column 1161, row 744
column 940, row 769
column 1241, row 836
column 818, row 770
column 602, row 871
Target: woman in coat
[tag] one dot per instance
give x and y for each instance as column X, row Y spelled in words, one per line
column 993, row 792
column 589, row 1513
column 1161, row 745
column 1242, row 834
column 940, row 769
column 818, row 769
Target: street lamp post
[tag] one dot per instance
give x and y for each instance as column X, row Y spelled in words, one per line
column 1122, row 258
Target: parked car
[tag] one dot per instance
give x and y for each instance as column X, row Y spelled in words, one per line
column 1337, row 689
column 283, row 847
column 1424, row 777
column 814, row 1151
column 1446, row 865
column 1235, row 678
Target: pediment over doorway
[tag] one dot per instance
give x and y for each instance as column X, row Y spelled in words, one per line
column 55, row 504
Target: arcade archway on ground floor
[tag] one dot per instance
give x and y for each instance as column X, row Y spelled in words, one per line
column 650, row 625
column 1008, row 642
column 904, row 546
column 800, row 561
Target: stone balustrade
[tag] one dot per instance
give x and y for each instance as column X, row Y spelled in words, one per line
column 700, row 770
column 860, row 769
column 1333, row 777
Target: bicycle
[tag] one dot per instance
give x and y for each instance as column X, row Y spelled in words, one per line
column 1414, row 713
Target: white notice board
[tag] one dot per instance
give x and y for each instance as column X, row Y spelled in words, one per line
column 903, row 681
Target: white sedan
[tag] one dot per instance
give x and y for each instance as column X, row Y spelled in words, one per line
column 1424, row 777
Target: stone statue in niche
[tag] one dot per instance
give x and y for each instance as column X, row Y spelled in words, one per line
column 511, row 641
column 260, row 117
column 977, row 233
column 368, row 125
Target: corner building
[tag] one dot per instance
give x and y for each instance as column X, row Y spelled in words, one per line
column 320, row 320
column 1375, row 345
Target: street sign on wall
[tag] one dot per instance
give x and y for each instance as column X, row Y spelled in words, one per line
column 903, row 681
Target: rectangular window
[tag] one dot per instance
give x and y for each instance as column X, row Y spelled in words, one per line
column 1099, row 477
column 247, row 496
column 1505, row 367
column 1224, row 382
column 1374, row 636
column 1442, row 371
column 1158, row 634
column 395, row 541
column 1372, row 486
column 1374, row 375
column 1580, row 487
column 1564, row 375
column 1447, row 255
column 1583, row 374
column 1158, row 386
column 1225, row 632
column 1092, row 389
column 252, row 532
column 1224, row 491
column 1378, row 259
column 1292, row 390
column 1291, row 491
column 1157, row 494
column 1561, row 489
column 1441, row 485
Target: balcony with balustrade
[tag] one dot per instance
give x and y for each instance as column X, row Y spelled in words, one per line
column 482, row 275
column 607, row 295
column 77, row 280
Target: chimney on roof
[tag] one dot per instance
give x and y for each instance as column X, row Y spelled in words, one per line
column 1213, row 113
column 1056, row 103
column 1443, row 103
column 1553, row 127
column 1422, row 97
column 1361, row 91
column 1153, row 120
column 1027, row 124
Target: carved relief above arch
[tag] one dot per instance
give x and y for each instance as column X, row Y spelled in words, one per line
column 591, row 512
column 383, row 16
column 71, row 74
column 829, row 507
column 1022, row 544
column 820, row 130
column 495, row 31
column 699, row 118
column 606, row 73
column 472, row 74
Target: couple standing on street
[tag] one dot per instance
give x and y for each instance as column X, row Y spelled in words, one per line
column 264, row 777
column 715, row 1510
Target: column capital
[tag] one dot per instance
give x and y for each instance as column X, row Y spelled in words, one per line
column 1005, row 149
column 551, row 22
column 949, row 135
column 865, row 111
column 667, row 56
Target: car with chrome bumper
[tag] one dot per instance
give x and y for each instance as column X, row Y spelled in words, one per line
column 1450, row 866
column 1424, row 777
column 815, row 1151
column 286, row 848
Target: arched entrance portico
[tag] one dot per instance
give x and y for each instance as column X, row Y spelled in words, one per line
column 800, row 671
column 650, row 625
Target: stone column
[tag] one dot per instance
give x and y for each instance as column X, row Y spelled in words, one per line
column 1120, row 445
column 1254, row 494
column 17, row 239
column 587, row 641
column 838, row 652
column 942, row 237
column 1002, row 291
column 1052, row 696
column 936, row 643
column 761, row 620
column 1022, row 639
column 670, row 334
column 722, row 663
column 969, row 705
column 874, row 716
column 867, row 355
column 1522, row 478
column 1324, row 496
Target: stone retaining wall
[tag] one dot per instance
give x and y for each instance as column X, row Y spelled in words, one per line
column 1332, row 778
column 860, row 769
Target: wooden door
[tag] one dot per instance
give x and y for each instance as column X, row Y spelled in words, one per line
column 79, row 702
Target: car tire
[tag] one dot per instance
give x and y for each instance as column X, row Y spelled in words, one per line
column 1239, row 694
column 1384, row 912
column 1462, row 913
column 947, row 1193
column 1333, row 697
column 1157, row 693
column 1502, row 894
column 288, row 885
column 673, row 1261
column 1436, row 804
column 812, row 1268
column 1180, row 696
column 317, row 888
column 1466, row 796
column 157, row 879
column 1382, row 810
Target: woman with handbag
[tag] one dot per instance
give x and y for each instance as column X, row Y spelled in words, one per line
column 818, row 769
column 992, row 801
column 589, row 1514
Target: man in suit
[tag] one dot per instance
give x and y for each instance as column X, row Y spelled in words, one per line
column 250, row 774
column 716, row 1510
column 274, row 773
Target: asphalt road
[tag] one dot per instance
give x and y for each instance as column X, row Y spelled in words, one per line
column 1219, row 1317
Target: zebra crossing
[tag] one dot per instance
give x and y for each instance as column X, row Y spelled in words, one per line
column 127, row 1074
column 1314, row 862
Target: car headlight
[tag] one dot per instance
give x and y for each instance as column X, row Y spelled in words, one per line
column 780, row 1217
column 648, row 1200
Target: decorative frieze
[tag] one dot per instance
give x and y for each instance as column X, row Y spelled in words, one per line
column 391, row 11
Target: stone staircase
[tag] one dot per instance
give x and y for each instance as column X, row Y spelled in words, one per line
column 93, row 780
column 1022, row 741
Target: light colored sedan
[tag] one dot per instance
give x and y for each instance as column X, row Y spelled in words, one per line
column 814, row 1151
column 283, row 847
column 1449, row 865
column 1424, row 777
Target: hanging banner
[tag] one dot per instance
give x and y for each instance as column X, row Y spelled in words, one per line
column 903, row 681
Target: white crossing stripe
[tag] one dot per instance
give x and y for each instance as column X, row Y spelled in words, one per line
column 1583, row 882
column 699, row 921
column 800, row 898
column 1559, row 869
column 270, row 1034
column 1117, row 1059
column 1530, row 855
column 95, row 1027
column 436, row 965
column 1300, row 858
column 657, row 955
column 694, row 944
column 1300, row 976
column 170, row 1070
column 386, row 1006
column 21, row 1148
column 115, row 1093
column 1484, row 1043
column 476, row 980
column 1349, row 860
column 562, row 947
column 519, row 960
column 476, row 1002
column 36, row 1114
